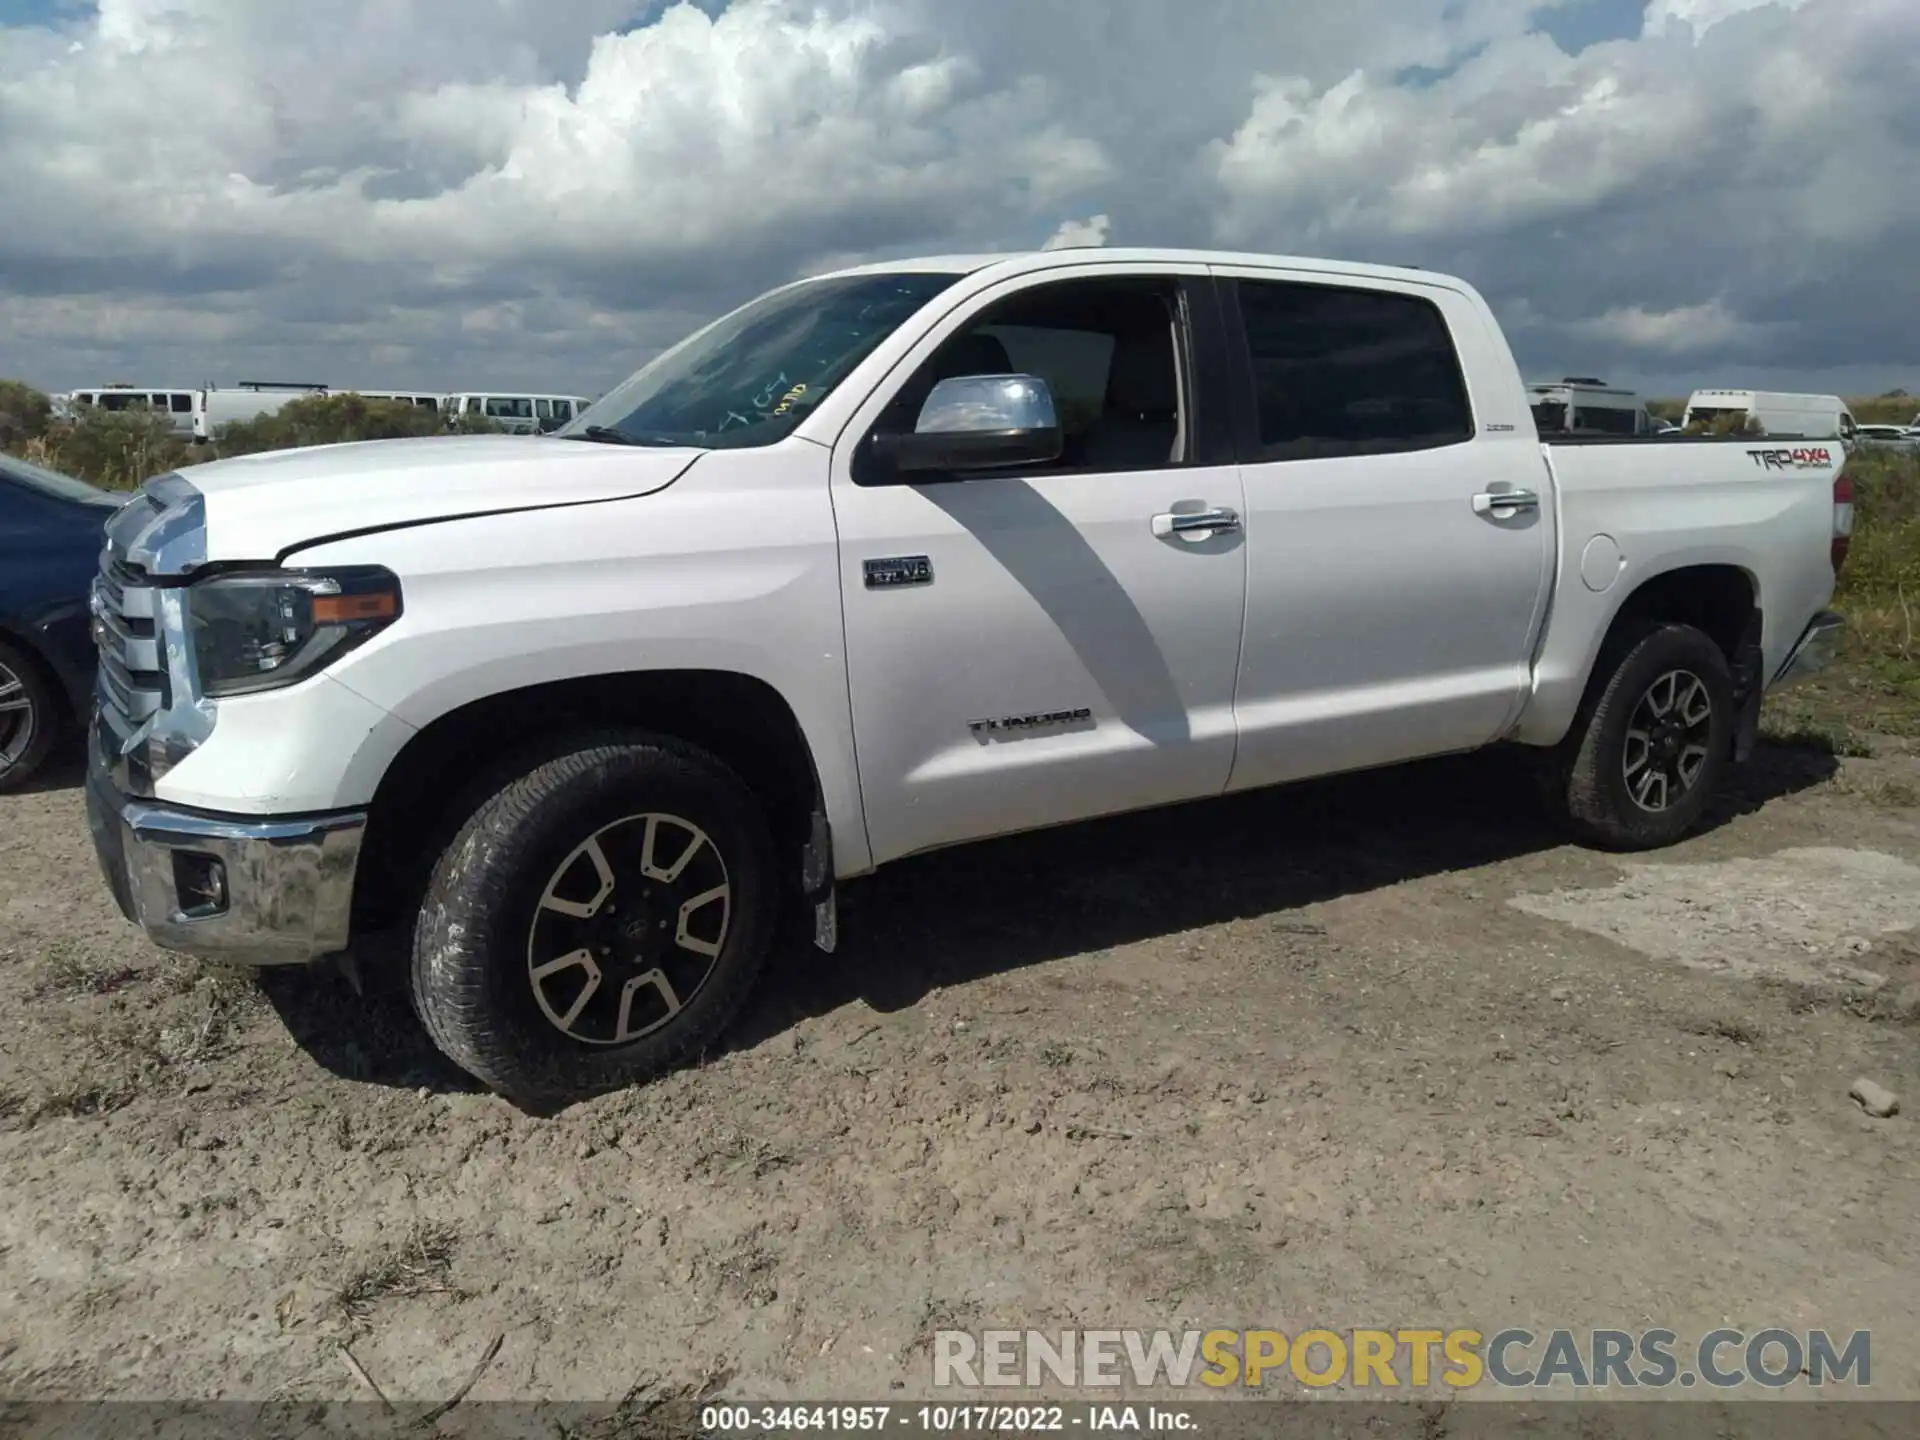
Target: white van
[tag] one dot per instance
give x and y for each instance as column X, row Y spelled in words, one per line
column 1806, row 417
column 1583, row 405
column 248, row 400
column 518, row 414
column 181, row 407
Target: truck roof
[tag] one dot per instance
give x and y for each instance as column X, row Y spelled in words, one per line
column 1020, row 262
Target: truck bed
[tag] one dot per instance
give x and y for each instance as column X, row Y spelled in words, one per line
column 1631, row 505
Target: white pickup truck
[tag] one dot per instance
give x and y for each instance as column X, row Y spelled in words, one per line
column 893, row 559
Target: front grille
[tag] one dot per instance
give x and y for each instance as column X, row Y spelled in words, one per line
column 132, row 682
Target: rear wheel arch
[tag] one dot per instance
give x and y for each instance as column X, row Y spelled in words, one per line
column 1719, row 602
column 1722, row 601
column 452, row 765
column 1663, row 706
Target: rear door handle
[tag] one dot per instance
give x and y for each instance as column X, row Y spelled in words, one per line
column 1492, row 502
column 1196, row 525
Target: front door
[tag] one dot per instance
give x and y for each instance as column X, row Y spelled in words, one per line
column 1029, row 646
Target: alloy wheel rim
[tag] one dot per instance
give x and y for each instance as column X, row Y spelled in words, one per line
column 17, row 720
column 1668, row 741
column 629, row 928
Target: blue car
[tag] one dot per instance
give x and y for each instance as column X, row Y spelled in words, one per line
column 50, row 540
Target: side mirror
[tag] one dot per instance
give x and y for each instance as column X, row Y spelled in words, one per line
column 975, row 422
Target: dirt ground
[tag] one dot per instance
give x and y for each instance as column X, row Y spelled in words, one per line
column 1376, row 1051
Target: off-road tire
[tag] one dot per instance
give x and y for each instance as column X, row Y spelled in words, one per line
column 470, row 978
column 44, row 716
column 1586, row 782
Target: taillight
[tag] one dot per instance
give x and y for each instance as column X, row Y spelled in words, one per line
column 1842, row 520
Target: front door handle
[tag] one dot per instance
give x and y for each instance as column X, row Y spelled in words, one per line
column 1196, row 525
column 1493, row 502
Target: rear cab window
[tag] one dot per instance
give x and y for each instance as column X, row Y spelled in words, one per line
column 1336, row 370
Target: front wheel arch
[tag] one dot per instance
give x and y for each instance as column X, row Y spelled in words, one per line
column 450, row 765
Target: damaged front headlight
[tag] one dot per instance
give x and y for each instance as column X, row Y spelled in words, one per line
column 253, row 631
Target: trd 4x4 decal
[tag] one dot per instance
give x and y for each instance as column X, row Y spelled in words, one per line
column 1815, row 459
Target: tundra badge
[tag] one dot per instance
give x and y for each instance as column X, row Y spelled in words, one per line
column 1040, row 720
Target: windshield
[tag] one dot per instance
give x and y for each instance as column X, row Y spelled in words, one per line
column 52, row 482
column 750, row 377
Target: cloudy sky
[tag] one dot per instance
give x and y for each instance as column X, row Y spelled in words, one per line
column 542, row 193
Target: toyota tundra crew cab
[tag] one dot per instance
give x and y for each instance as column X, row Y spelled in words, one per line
column 892, row 559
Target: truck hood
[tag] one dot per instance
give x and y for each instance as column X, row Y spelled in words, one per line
column 258, row 507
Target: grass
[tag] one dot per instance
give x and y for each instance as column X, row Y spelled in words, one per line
column 1873, row 687
column 121, row 449
column 1885, row 409
column 1887, row 794
column 81, row 1100
column 421, row 1264
column 66, row 971
column 1803, row 730
column 150, row 1029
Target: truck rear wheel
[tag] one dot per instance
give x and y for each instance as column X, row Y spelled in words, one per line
column 596, row 922
column 1648, row 754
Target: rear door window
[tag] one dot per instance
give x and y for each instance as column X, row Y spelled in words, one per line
column 1350, row 372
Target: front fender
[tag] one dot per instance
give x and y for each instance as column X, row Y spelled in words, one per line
column 739, row 574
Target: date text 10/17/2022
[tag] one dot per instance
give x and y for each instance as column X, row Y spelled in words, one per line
column 956, row 1419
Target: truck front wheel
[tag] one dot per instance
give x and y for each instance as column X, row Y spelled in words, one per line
column 597, row 921
column 1647, row 755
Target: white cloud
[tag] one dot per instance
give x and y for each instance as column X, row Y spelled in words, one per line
column 1702, row 15
column 1685, row 330
column 1075, row 233
column 489, row 188
column 1525, row 132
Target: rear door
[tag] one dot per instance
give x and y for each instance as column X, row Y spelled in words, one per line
column 1028, row 647
column 1400, row 535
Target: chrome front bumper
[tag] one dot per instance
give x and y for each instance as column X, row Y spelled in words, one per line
column 1814, row 651
column 240, row 889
